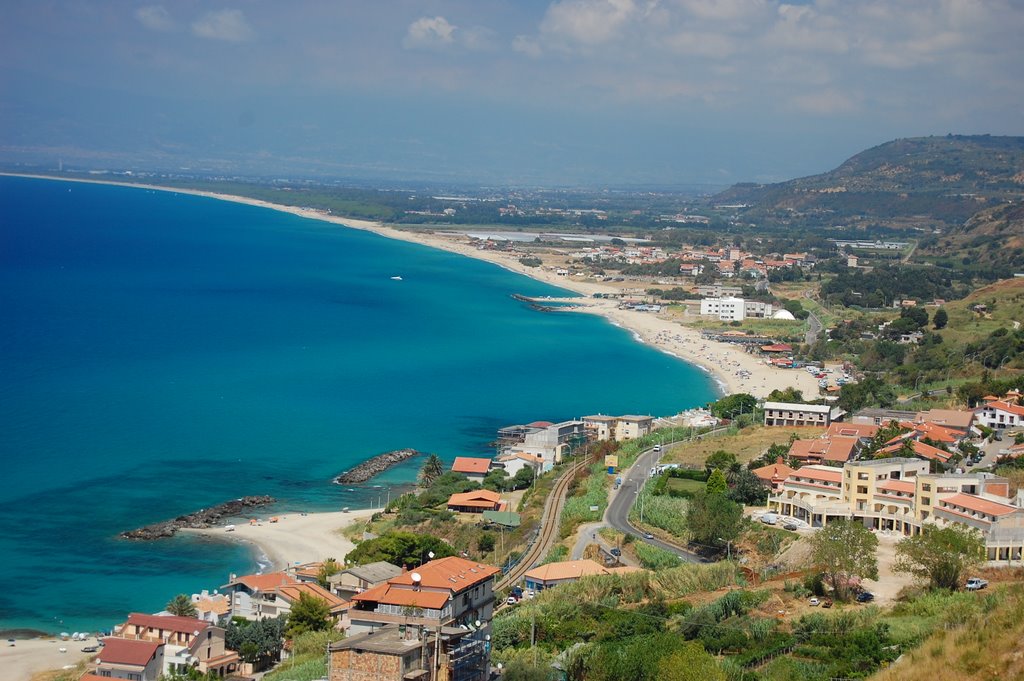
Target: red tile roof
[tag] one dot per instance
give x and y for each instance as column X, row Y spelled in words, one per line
column 569, row 569
column 292, row 593
column 186, row 625
column 921, row 449
column 127, row 651
column 267, row 582
column 973, row 503
column 836, row 448
column 471, row 465
column 1005, row 405
column 774, row 472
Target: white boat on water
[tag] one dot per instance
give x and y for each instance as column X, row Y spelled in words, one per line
column 396, row 278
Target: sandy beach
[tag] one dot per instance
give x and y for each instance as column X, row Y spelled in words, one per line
column 723, row 361
column 295, row 538
column 27, row 657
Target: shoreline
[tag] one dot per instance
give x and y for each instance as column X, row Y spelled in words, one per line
column 295, row 539
column 721, row 361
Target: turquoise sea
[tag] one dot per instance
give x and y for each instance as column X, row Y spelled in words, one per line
column 161, row 352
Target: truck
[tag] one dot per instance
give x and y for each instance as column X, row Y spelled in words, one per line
column 976, row 583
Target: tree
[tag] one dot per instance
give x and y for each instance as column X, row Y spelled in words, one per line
column 746, row 488
column 485, row 543
column 733, row 405
column 182, row 606
column 328, row 568
column 941, row 555
column 721, row 460
column 843, row 550
column 790, row 394
column 940, row 318
column 309, row 613
column 690, row 663
column 400, row 548
column 257, row 642
column 432, row 469
column 716, row 483
column 713, row 517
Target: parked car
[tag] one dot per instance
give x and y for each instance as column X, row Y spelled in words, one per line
column 90, row 649
column 827, row 603
column 865, row 597
column 813, row 601
column 648, row 535
column 976, row 583
column 616, row 551
column 790, row 526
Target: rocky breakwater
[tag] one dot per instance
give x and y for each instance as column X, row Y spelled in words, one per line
column 201, row 519
column 375, row 466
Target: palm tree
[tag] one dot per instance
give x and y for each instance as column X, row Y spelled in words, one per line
column 182, row 606
column 432, row 469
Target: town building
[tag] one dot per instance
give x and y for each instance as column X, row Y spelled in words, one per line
column 188, row 642
column 359, row 578
column 254, row 597
column 795, row 414
column 551, row 441
column 999, row 413
column 618, row 428
column 718, row 291
column 439, row 595
column 901, row 495
column 476, row 501
column 122, row 658
column 406, row 653
column 474, row 468
column 553, row 574
column 773, row 475
column 734, row 309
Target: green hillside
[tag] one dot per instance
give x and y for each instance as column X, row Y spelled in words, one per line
column 922, row 182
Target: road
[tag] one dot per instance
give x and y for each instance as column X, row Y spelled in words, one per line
column 617, row 514
column 814, row 327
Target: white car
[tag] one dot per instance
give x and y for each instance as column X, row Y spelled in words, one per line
column 813, row 601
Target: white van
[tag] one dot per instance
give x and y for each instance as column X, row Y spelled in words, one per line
column 769, row 518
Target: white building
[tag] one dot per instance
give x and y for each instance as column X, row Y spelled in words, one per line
column 732, row 309
column 1001, row 413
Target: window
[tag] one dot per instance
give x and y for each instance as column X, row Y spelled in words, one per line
column 862, row 489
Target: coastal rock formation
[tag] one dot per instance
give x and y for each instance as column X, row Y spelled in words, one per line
column 377, row 464
column 201, row 519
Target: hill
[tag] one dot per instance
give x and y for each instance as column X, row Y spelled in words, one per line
column 992, row 238
column 921, row 182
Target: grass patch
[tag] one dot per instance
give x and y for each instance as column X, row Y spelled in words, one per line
column 747, row 444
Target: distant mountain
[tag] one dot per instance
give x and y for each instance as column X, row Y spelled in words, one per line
column 923, row 182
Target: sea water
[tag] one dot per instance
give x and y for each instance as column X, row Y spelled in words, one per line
column 162, row 352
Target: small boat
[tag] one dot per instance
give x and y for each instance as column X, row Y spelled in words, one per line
column 396, row 279
column 345, row 510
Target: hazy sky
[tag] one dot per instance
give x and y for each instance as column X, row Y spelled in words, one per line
column 493, row 91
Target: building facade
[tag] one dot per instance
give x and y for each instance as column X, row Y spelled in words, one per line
column 795, row 414
column 900, row 495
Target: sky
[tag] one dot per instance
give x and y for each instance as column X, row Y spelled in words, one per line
column 501, row 92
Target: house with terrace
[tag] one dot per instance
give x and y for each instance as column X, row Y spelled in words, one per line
column 472, row 467
column 122, row 658
column 448, row 594
column 254, row 597
column 188, row 643
column 999, row 413
column 476, row 501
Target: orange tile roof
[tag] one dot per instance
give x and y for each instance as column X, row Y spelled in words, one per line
column 471, row 465
column 835, row 448
column 451, row 573
column 93, row 677
column 938, row 433
column 265, row 582
column 292, row 592
column 861, row 430
column 973, row 503
column 921, row 449
column 819, row 473
column 186, row 625
column 481, row 498
column 217, row 605
column 127, row 651
column 773, row 472
column 898, row 486
column 1005, row 405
